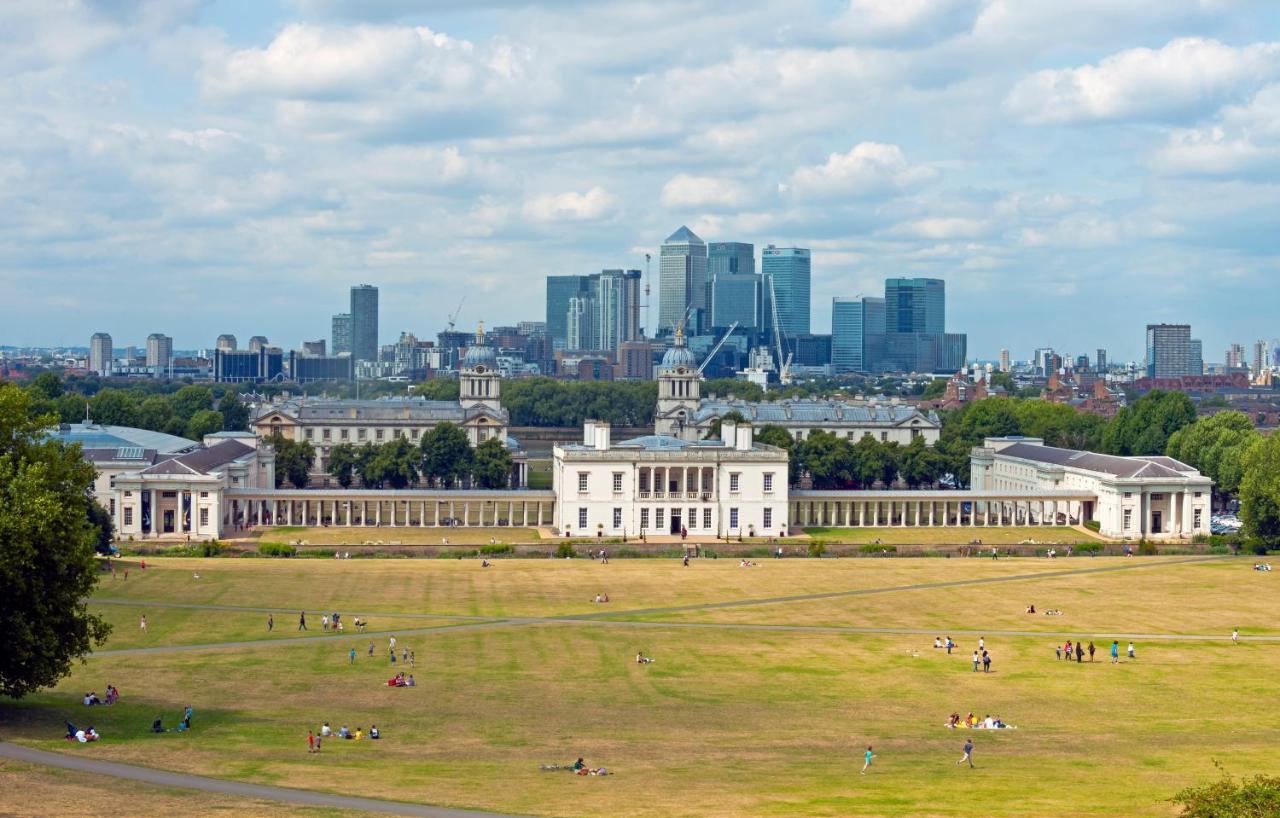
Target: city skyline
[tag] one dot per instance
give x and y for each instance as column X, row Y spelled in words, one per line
column 1070, row 163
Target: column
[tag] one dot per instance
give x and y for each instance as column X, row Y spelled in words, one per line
column 1188, row 514
column 1146, row 512
column 539, row 512
column 932, row 505
column 377, row 512
column 973, row 513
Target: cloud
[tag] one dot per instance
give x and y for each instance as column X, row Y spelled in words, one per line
column 687, row 191
column 868, row 169
column 1245, row 138
column 1184, row 76
column 910, row 21
column 596, row 203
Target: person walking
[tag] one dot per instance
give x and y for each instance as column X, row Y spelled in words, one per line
column 1115, row 653
column 986, row 662
column 353, row 656
column 1091, row 649
column 1057, row 651
column 950, row 645
column 976, row 661
column 867, row 763
column 302, row 620
column 1131, row 655
column 143, row 624
column 982, row 643
column 1079, row 653
column 1235, row 636
column 371, row 648
column 968, row 754
column 271, row 623
column 311, row 741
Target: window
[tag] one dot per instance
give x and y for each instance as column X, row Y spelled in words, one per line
column 693, row 518
column 204, row 495
column 204, row 517
column 377, row 433
column 413, row 433
column 168, row 494
column 644, row 519
column 582, row 482
column 128, row 515
column 659, row 516
column 706, row 518
column 617, row 482
column 1197, row 495
column 915, row 433
column 326, row 434
column 733, row 518
column 113, row 506
column 1128, row 519
column 768, row 481
column 1128, row 494
column 768, row 518
column 345, row 434
column 848, row 435
column 617, row 518
column 309, row 434
column 733, row 481
column 582, row 518
column 884, row 437
column 1157, row 497
column 361, row 434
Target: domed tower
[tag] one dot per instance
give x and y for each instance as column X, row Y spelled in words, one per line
column 679, row 390
column 478, row 381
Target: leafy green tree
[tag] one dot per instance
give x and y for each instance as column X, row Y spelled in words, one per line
column 235, row 415
column 342, row 461
column 966, row 427
column 396, row 463
column 204, row 422
column 446, row 455
column 1215, row 446
column 934, row 389
column 919, row 464
column 367, row 466
column 114, row 407
column 771, row 435
column 1257, row 797
column 191, row 399
column 104, row 528
column 1260, row 491
column 826, row 458
column 293, row 461
column 1144, row 427
column 723, row 387
column 733, row 415
column 71, row 406
column 46, row 385
column 491, row 466
column 871, row 461
column 155, row 413
column 437, row 389
column 47, row 568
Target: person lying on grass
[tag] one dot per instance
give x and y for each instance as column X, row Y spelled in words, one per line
column 641, row 659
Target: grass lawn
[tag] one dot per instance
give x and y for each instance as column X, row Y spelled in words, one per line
column 955, row 535
column 727, row 722
column 404, row 535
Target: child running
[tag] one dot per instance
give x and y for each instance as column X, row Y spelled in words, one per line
column 867, row 764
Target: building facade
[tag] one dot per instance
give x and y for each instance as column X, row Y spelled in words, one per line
column 100, row 353
column 340, row 333
column 787, row 272
column 857, row 334
column 682, row 278
column 1170, row 351
column 1133, row 497
column 364, row 322
column 657, row 485
column 159, row 350
column 737, row 297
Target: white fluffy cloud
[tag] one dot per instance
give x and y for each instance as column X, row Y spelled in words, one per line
column 1243, row 139
column 688, row 191
column 867, row 169
column 1185, row 75
column 594, row 204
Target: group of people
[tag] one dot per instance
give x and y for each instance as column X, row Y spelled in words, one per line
column 333, row 620
column 1076, row 649
column 1262, row 566
column 313, row 740
column 981, row 657
column 580, row 768
column 641, row 659
column 342, row 555
column 601, row 598
column 399, row 680
column 83, row 736
column 184, row 724
column 113, row 695
column 972, row 722
column 939, row 642
column 601, row 555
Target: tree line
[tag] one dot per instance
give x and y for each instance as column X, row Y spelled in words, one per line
column 443, row 458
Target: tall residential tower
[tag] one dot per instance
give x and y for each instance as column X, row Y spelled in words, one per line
column 364, row 322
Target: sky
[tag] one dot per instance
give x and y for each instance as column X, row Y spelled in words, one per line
column 1073, row 171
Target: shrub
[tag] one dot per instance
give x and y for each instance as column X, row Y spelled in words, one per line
column 493, row 549
column 277, row 549
column 564, row 550
column 1087, row 548
column 877, row 548
column 1147, row 548
column 212, row 548
column 817, row 549
column 1228, row 798
column 1093, row 525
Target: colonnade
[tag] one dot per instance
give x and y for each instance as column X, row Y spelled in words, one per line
column 680, row 482
column 246, row 508
column 902, row 509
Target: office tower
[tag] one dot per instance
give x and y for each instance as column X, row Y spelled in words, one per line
column 787, row 273
column 682, row 272
column 364, row 322
column 1259, row 358
column 258, row 343
column 1100, row 362
column 1196, row 361
column 737, row 297
column 1082, row 362
column 312, row 347
column 1005, row 363
column 1275, row 352
column 244, row 366
column 340, row 334
column 226, row 342
column 1169, row 351
column 857, row 334
column 532, row 328
column 1042, row 360
column 304, row 368
column 618, row 305
column 727, row 258
column 582, row 322
column 1235, row 356
column 914, row 325
column 100, row 353
column 159, row 350
column 559, row 290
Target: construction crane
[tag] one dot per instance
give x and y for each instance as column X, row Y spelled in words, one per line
column 453, row 319
column 784, row 360
column 716, row 348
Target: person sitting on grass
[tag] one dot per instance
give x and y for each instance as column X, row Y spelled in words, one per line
column 344, row 732
column 410, row 682
column 359, row 734
column 937, row 641
column 71, row 731
column 954, row 721
column 1031, row 609
column 641, row 659
column 157, row 726
column 374, row 735
column 91, row 699
column 326, row 730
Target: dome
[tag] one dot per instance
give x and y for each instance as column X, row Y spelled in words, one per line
column 479, row 355
column 679, row 356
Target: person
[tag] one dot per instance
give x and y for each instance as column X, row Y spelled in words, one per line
column 1070, row 651
column 393, row 644
column 374, row 735
column 579, row 765
column 359, row 734
column 982, row 643
column 143, row 625
column 302, row 620
column 1091, row 649
column 1031, row 609
column 326, row 730
column 868, row 756
column 937, row 641
column 311, row 741
column 1079, row 653
column 1131, row 656
column 413, row 656
column 353, row 656
column 1235, row 636
column 954, row 721
column 344, row 732
column 976, row 660
column 271, row 623
column 324, row 622
column 1115, row 653
column 91, row 699
column 1057, row 649
column 686, row 560
column 950, row 645
column 484, row 563
column 968, row 753
column 410, row 682
column 393, row 656
column 186, row 717
column 157, row 726
column 641, row 659
column 986, row 662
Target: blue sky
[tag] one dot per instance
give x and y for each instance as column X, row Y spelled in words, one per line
column 1073, row 170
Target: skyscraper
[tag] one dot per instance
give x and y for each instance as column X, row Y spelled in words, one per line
column 100, row 353
column 789, row 270
column 1235, row 356
column 226, row 342
column 1005, row 363
column 1100, row 362
column 737, row 297
column 915, row 310
column 257, row 343
column 857, row 334
column 682, row 272
column 159, row 350
column 618, row 302
column 583, row 322
column 340, row 335
column 1260, row 357
column 364, row 322
column 1169, row 351
column 724, row 257
column 559, row 290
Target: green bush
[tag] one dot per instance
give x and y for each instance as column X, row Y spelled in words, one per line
column 877, row 548
column 817, row 549
column 564, row 550
column 277, row 549
column 1219, row 548
column 451, row 554
column 1093, row 525
column 1228, row 798
column 1087, row 548
column 212, row 548
column 1147, row 548
column 494, row 549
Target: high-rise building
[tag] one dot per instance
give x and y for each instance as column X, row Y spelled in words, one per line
column 1196, row 363
column 313, row 347
column 727, row 258
column 618, row 302
column 1235, row 356
column 915, row 310
column 364, row 322
column 1169, row 351
column 682, row 272
column 737, row 297
column 857, row 334
column 532, row 328
column 159, row 350
column 1260, row 357
column 787, row 273
column 559, row 290
column 258, row 343
column 1100, row 362
column 226, row 342
column 100, row 353
column 1005, row 363
column 582, row 323
column 340, row 334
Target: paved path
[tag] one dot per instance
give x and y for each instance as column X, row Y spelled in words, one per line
column 264, row 792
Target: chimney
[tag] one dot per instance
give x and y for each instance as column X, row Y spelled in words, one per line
column 729, row 432
column 602, row 436
column 744, row 437
column 589, row 433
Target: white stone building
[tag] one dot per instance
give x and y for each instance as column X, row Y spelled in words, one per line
column 662, row 485
column 1154, row 497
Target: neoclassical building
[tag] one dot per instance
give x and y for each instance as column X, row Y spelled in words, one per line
column 682, row 411
column 1150, row 496
column 662, row 485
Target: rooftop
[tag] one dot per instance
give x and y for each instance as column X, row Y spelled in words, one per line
column 1114, row 465
column 97, row 436
column 808, row 410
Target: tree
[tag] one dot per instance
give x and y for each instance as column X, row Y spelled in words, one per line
column 395, row 464
column 293, row 461
column 733, row 415
column 104, row 528
column 919, row 464
column 723, row 387
column 47, row 567
column 872, row 461
column 155, row 413
column 342, row 461
column 191, row 399
column 1260, row 491
column 367, row 467
column 204, row 422
column 491, row 466
column 71, row 406
column 966, row 427
column 446, row 454
column 113, row 407
column 1215, row 446
column 437, row 389
column 771, row 435
column 235, row 415
column 826, row 458
column 934, row 389
column 1144, row 427
column 46, row 385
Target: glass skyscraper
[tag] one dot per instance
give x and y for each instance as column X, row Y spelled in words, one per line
column 559, row 290
column 915, row 304
column 724, row 257
column 340, row 336
column 857, row 334
column 737, row 297
column 364, row 322
column 789, row 269
column 682, row 272
column 1172, row 352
